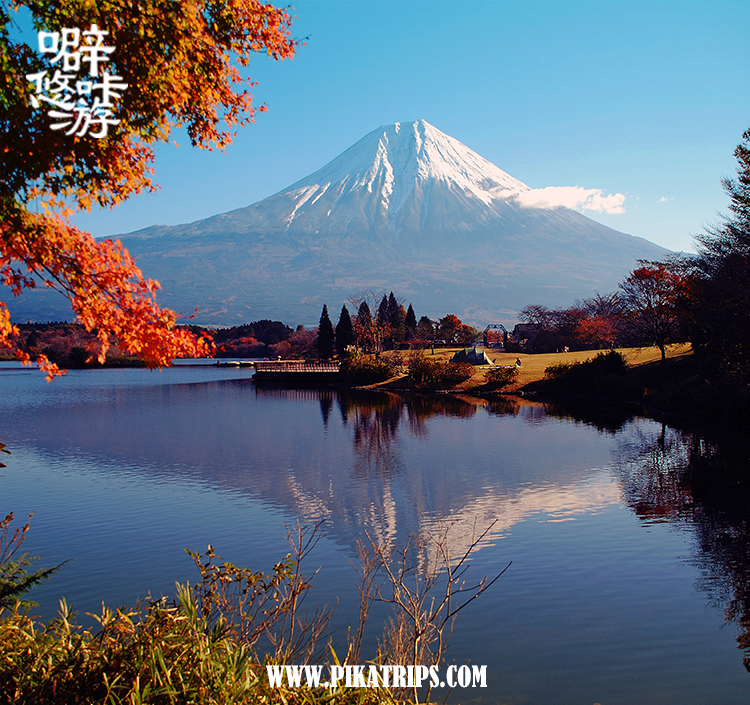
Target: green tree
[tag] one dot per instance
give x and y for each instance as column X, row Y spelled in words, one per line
column 344, row 331
column 364, row 316
column 732, row 236
column 410, row 322
column 382, row 318
column 721, row 295
column 396, row 317
column 325, row 335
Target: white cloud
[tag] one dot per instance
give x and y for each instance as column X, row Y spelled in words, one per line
column 575, row 197
column 662, row 199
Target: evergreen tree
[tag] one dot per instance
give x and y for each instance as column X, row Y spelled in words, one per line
column 364, row 316
column 396, row 317
column 325, row 335
column 363, row 328
column 410, row 322
column 344, row 331
column 721, row 335
column 382, row 317
column 393, row 309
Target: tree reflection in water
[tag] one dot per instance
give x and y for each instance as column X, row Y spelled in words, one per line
column 375, row 419
column 603, row 415
column 694, row 479
column 700, row 481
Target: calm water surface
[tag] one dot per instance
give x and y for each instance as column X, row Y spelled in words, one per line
column 629, row 540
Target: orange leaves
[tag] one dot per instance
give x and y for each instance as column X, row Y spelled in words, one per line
column 596, row 331
column 180, row 61
column 50, row 369
column 7, row 329
column 107, row 291
column 654, row 285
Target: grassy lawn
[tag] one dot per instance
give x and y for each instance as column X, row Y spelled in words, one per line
column 533, row 366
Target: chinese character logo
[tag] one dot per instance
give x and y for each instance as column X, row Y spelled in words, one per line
column 78, row 103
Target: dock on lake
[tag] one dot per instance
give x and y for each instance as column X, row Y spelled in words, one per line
column 296, row 371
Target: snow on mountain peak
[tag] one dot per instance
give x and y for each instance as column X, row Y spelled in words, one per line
column 406, row 208
column 390, row 162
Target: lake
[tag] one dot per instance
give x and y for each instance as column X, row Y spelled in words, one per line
column 629, row 539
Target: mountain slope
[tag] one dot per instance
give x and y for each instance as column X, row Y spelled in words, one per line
column 408, row 209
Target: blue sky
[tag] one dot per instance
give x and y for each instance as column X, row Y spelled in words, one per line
column 644, row 99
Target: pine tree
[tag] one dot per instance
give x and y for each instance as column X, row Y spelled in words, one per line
column 382, row 317
column 364, row 316
column 344, row 331
column 721, row 335
column 396, row 317
column 410, row 322
column 393, row 309
column 732, row 237
column 363, row 328
column 325, row 335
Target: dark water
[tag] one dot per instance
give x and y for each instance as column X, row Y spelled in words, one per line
column 629, row 540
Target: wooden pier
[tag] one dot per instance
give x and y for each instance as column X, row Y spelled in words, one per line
column 290, row 372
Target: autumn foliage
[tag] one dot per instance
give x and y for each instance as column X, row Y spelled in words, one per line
column 651, row 294
column 181, row 62
column 649, row 309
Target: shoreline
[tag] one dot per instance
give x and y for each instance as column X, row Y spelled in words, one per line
column 674, row 390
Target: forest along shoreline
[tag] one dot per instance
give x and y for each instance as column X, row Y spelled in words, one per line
column 676, row 387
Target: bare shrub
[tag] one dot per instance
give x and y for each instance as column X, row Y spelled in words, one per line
column 252, row 604
column 426, row 585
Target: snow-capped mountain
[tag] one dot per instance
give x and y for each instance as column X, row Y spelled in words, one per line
column 408, row 209
column 384, row 184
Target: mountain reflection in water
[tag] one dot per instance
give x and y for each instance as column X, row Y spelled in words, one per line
column 605, row 601
column 394, row 488
column 696, row 482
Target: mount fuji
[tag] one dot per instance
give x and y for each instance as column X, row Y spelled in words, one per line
column 407, row 209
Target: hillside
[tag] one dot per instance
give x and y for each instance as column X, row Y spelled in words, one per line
column 407, row 209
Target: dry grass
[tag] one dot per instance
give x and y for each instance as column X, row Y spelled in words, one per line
column 533, row 366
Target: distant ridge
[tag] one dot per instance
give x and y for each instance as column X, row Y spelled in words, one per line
column 407, row 208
